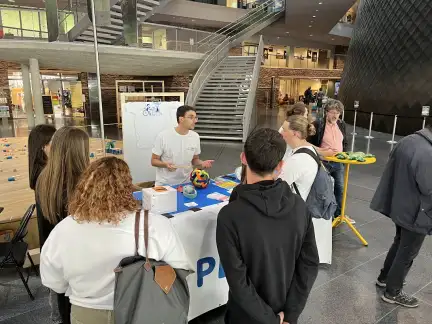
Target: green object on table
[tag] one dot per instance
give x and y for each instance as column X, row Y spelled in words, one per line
column 354, row 156
column 369, row 156
column 341, row 156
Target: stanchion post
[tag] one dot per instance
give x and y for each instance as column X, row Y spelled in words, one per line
column 425, row 114
column 392, row 142
column 370, row 127
column 356, row 105
column 343, row 115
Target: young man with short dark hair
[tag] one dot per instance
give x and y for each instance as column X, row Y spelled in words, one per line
column 176, row 150
column 404, row 194
column 266, row 241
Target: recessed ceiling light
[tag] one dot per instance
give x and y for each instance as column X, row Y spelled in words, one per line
column 287, row 32
column 12, row 1
column 310, row 26
column 319, row 2
column 193, row 19
column 278, row 37
column 332, row 38
column 311, row 21
column 316, row 10
column 310, row 35
column 313, row 16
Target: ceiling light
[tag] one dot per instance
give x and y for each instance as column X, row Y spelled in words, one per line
column 278, row 37
column 310, row 35
column 332, row 38
column 319, row 2
column 311, row 21
column 193, row 19
column 287, row 32
column 316, row 10
column 313, row 16
column 12, row 1
column 310, row 26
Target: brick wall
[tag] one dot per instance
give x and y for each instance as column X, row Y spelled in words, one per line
column 235, row 51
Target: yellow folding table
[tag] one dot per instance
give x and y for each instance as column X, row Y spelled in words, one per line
column 343, row 217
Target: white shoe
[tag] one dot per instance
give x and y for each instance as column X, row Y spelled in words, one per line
column 352, row 221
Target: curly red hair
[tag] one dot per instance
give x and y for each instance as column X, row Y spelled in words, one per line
column 104, row 192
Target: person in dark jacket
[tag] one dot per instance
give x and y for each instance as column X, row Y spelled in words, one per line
column 67, row 160
column 266, row 240
column 405, row 195
column 331, row 136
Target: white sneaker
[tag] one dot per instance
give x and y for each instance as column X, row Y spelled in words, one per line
column 352, row 221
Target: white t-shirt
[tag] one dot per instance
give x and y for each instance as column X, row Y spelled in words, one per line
column 301, row 169
column 79, row 258
column 178, row 150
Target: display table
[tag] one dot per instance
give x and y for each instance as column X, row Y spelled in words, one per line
column 343, row 219
column 197, row 232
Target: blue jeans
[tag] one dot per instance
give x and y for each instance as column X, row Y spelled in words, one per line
column 336, row 170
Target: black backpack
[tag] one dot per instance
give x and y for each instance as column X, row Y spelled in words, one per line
column 321, row 200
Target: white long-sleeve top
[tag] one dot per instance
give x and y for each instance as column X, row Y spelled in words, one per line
column 79, row 258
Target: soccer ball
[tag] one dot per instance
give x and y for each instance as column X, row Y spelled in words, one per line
column 199, row 178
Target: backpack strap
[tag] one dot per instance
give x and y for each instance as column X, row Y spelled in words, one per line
column 296, row 189
column 311, row 154
column 137, row 222
column 147, row 264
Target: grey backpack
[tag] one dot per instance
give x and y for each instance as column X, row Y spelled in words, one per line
column 149, row 291
column 321, row 200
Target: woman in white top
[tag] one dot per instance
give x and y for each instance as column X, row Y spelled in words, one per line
column 81, row 253
column 300, row 168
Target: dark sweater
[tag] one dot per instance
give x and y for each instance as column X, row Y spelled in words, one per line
column 266, row 243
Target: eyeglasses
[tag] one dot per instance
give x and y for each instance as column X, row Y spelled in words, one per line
column 192, row 118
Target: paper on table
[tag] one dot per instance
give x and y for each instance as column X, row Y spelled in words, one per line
column 191, row 204
column 217, row 196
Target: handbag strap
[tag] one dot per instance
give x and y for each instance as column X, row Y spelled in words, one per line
column 147, row 264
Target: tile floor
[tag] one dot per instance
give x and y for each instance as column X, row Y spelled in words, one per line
column 344, row 293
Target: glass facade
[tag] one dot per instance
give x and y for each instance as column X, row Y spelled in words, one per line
column 31, row 23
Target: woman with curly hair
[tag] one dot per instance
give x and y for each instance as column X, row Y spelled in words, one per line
column 83, row 250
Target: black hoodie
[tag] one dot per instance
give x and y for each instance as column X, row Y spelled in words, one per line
column 266, row 243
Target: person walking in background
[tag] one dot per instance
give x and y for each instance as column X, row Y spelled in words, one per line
column 176, row 150
column 265, row 239
column 67, row 160
column 331, row 136
column 308, row 97
column 38, row 148
column 320, row 97
column 405, row 195
column 80, row 255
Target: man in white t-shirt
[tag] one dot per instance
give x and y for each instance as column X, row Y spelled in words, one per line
column 176, row 150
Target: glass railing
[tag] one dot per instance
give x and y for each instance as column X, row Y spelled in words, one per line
column 71, row 14
column 165, row 37
column 22, row 33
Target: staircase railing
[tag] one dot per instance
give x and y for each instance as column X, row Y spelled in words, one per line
column 249, row 115
column 232, row 33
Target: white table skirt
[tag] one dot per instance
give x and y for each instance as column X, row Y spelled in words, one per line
column 208, row 286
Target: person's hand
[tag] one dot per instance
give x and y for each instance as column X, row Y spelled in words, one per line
column 207, row 164
column 170, row 167
column 281, row 316
column 328, row 152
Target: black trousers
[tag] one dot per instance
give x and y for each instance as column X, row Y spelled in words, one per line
column 405, row 248
column 64, row 308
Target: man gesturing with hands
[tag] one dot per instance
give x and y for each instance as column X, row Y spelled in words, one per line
column 176, row 150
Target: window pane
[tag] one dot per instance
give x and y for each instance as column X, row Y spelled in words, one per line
column 43, row 21
column 30, row 23
column 10, row 18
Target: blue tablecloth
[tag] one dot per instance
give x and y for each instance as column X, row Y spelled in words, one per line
column 201, row 199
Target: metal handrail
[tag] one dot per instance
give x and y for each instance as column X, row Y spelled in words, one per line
column 250, row 101
column 214, row 58
column 232, row 26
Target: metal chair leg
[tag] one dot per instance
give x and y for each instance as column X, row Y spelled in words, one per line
column 33, row 265
column 24, row 282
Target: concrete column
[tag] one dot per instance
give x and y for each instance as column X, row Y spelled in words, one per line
column 331, row 59
column 290, row 56
column 36, row 90
column 28, row 102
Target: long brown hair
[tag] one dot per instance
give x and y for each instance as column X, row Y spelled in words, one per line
column 67, row 160
column 104, row 193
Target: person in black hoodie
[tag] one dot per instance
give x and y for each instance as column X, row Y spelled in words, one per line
column 266, row 240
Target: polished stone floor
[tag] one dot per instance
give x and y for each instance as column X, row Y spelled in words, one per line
column 344, row 292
